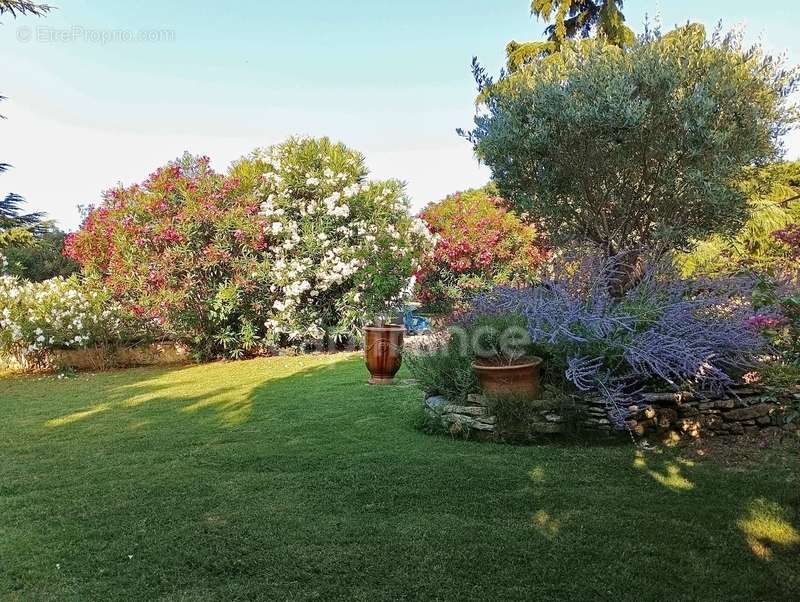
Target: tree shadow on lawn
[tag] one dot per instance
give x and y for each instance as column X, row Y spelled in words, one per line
column 173, row 395
column 314, row 480
column 167, row 395
column 687, row 530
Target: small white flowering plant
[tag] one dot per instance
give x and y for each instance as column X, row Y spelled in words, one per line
column 37, row 317
column 342, row 248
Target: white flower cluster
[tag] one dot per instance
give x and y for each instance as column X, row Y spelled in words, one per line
column 338, row 242
column 56, row 313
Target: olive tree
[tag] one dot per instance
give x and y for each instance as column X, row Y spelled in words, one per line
column 635, row 147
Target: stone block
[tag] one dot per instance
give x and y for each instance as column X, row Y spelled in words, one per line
column 749, row 413
column 476, row 399
column 745, row 391
column 665, row 397
column 548, row 427
column 689, row 426
column 635, row 427
column 436, row 403
column 734, row 428
column 466, row 410
column 545, row 403
column 665, row 417
column 457, row 419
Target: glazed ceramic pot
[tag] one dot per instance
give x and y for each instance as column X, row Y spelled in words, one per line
column 383, row 346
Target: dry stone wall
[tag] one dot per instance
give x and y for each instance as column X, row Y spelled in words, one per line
column 671, row 416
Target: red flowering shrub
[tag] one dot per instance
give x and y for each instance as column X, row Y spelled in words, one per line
column 182, row 249
column 481, row 244
column 790, row 236
column 295, row 246
column 785, row 334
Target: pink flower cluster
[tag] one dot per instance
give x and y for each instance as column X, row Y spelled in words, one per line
column 480, row 243
column 790, row 236
column 765, row 322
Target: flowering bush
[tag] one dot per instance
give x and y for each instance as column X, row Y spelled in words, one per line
column 36, row 317
column 790, row 237
column 294, row 244
column 662, row 332
column 342, row 249
column 480, row 244
column 183, row 249
column 778, row 299
column 779, row 294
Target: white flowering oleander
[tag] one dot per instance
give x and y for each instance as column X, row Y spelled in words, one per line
column 342, row 248
column 55, row 314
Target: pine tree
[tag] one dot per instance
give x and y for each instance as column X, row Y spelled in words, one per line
column 578, row 18
column 570, row 19
column 23, row 7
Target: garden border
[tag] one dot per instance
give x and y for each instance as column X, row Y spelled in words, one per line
column 667, row 416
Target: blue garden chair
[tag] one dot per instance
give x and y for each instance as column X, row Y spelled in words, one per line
column 414, row 324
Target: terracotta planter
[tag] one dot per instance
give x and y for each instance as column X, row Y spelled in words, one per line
column 383, row 347
column 515, row 380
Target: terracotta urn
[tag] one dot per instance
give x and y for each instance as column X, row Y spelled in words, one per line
column 519, row 379
column 383, row 347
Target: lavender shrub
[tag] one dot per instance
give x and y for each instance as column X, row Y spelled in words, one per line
column 663, row 331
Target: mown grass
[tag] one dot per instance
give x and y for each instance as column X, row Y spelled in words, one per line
column 291, row 479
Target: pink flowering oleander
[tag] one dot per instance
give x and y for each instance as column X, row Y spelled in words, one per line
column 292, row 245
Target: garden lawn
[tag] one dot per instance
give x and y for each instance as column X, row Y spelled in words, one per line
column 292, row 479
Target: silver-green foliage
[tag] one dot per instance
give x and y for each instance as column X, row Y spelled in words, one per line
column 628, row 147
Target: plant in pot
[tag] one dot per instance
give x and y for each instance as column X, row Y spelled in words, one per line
column 383, row 350
column 386, row 284
column 383, row 339
column 504, row 361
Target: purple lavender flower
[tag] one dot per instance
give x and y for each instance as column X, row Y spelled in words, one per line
column 680, row 333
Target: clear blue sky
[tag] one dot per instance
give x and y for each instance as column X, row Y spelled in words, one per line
column 389, row 78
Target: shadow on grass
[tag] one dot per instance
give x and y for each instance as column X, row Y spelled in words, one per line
column 169, row 394
column 712, row 534
column 769, row 529
column 318, row 455
column 122, row 406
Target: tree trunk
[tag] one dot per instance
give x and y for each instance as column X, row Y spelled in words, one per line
column 625, row 271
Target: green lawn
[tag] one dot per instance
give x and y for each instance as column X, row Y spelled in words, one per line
column 291, row 479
